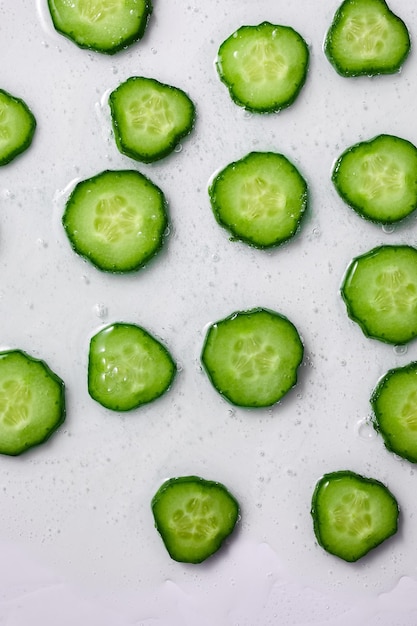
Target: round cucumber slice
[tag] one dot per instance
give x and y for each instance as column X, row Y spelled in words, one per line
column 105, row 26
column 264, row 67
column 194, row 517
column 252, row 357
column 380, row 293
column 366, row 38
column 17, row 127
column 149, row 118
column 128, row 367
column 378, row 178
column 259, row 199
column 32, row 402
column 117, row 220
column 352, row 514
column 394, row 404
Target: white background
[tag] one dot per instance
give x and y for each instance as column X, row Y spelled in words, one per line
column 76, row 531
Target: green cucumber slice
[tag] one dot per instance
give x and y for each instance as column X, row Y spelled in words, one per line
column 32, row 402
column 259, row 199
column 128, row 367
column 105, row 26
column 352, row 514
column 394, row 404
column 149, row 118
column 366, row 38
column 378, row 178
column 17, row 127
column 252, row 357
column 264, row 67
column 380, row 293
column 117, row 220
column 194, row 516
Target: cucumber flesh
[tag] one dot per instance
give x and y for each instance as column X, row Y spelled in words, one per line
column 32, row 402
column 117, row 220
column 128, row 367
column 264, row 67
column 252, row 357
column 259, row 199
column 380, row 293
column 352, row 514
column 149, row 118
column 366, row 38
column 194, row 516
column 378, row 178
column 105, row 26
column 394, row 404
column 17, row 127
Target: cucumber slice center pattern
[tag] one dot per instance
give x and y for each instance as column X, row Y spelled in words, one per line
column 116, row 219
column 151, row 114
column 195, row 520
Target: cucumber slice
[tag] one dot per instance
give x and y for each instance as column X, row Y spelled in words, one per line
column 128, row 367
column 117, row 220
column 32, row 402
column 366, row 38
column 264, row 67
column 149, row 118
column 394, row 404
column 380, row 293
column 378, row 178
column 260, row 199
column 17, row 127
column 252, row 357
column 352, row 514
column 105, row 26
column 194, row 516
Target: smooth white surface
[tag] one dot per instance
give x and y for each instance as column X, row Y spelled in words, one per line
column 76, row 532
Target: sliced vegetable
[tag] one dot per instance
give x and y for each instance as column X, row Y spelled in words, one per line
column 378, row 178
column 252, row 357
column 264, row 67
column 380, row 292
column 259, row 199
column 17, row 127
column 32, row 402
column 128, row 367
column 194, row 516
column 117, row 220
column 149, row 118
column 105, row 26
column 366, row 38
column 352, row 514
column 394, row 403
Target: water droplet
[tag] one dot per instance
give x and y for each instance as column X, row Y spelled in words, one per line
column 400, row 350
column 388, row 228
column 178, row 148
column 365, row 429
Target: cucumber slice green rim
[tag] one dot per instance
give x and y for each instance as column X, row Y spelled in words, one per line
column 259, row 199
column 194, row 517
column 394, row 405
column 378, row 178
column 366, row 39
column 17, row 127
column 117, row 220
column 352, row 514
column 105, row 26
column 32, row 402
column 264, row 67
column 252, row 357
column 149, row 118
column 380, row 293
column 128, row 367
